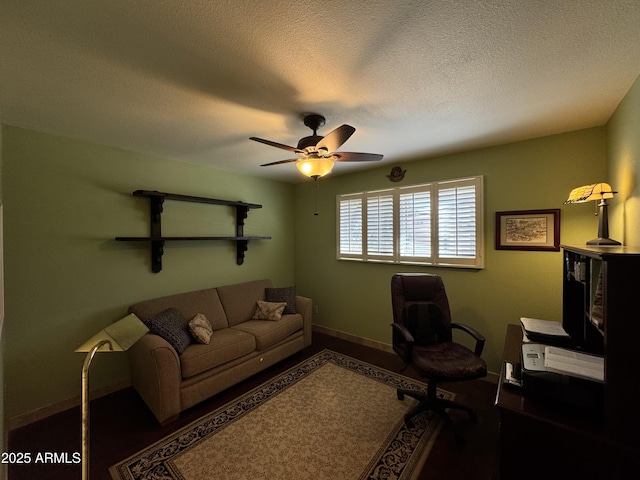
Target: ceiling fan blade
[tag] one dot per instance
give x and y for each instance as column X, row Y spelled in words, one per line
column 276, row 144
column 333, row 140
column 281, row 161
column 357, row 157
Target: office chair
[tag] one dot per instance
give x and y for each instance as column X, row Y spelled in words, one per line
column 422, row 338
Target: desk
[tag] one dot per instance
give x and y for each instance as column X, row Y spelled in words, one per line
column 544, row 441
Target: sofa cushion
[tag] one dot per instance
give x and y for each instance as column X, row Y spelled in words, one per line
column 286, row 294
column 188, row 304
column 225, row 345
column 267, row 332
column 171, row 326
column 239, row 300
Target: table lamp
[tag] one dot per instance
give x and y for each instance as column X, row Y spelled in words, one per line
column 117, row 337
column 596, row 191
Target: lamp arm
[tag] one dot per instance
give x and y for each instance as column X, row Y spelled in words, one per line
column 85, row 405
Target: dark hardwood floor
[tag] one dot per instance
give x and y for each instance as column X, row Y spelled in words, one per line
column 121, row 425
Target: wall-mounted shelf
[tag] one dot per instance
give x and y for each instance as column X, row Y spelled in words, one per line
column 156, row 201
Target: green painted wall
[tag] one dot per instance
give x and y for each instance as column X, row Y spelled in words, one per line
column 538, row 174
column 624, row 169
column 65, row 275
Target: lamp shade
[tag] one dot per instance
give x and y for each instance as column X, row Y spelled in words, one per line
column 586, row 193
column 315, row 166
column 121, row 335
column 596, row 191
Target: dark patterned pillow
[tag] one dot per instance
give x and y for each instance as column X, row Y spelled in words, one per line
column 286, row 294
column 171, row 326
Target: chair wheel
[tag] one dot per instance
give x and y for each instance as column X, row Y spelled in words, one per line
column 408, row 423
column 400, row 395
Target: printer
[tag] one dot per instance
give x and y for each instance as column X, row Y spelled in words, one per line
column 566, row 377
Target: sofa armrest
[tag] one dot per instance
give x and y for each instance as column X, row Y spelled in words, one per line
column 156, row 375
column 304, row 306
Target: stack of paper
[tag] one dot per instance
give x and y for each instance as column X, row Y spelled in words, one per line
column 544, row 331
column 575, row 364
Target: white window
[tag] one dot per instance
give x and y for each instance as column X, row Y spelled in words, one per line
column 439, row 223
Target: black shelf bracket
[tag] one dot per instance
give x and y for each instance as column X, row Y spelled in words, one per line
column 157, row 250
column 242, row 213
column 241, row 247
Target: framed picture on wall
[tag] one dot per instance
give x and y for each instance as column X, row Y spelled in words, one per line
column 528, row 230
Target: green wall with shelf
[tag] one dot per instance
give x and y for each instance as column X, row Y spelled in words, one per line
column 66, row 276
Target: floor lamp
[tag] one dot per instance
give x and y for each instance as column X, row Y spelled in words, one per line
column 117, row 337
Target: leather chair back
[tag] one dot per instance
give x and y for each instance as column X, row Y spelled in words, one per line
column 411, row 288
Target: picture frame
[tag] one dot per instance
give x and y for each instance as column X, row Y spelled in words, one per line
column 528, row 230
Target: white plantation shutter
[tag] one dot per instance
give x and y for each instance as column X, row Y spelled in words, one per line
column 457, row 222
column 380, row 225
column 438, row 223
column 350, row 233
column 415, row 224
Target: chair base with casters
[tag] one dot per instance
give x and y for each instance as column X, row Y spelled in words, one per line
column 430, row 401
column 439, row 357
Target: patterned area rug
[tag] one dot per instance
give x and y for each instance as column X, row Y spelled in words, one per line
column 329, row 418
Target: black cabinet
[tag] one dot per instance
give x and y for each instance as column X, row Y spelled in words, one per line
column 601, row 311
column 554, row 441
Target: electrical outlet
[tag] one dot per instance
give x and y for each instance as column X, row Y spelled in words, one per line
column 315, row 309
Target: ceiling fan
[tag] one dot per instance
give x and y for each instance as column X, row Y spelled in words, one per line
column 317, row 154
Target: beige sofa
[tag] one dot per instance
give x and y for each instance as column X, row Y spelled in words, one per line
column 239, row 347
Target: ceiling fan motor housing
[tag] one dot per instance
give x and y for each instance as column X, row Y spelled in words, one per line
column 310, row 141
column 314, row 121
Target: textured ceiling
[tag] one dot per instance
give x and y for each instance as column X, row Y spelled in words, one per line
column 193, row 80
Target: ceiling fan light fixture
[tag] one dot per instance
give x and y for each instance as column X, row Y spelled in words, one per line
column 317, row 153
column 315, row 167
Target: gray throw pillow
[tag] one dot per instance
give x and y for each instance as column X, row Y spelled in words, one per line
column 286, row 294
column 171, row 326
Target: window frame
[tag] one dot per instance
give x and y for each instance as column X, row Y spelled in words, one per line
column 476, row 261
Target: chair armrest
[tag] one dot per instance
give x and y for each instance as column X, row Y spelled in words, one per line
column 474, row 333
column 404, row 331
column 402, row 342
